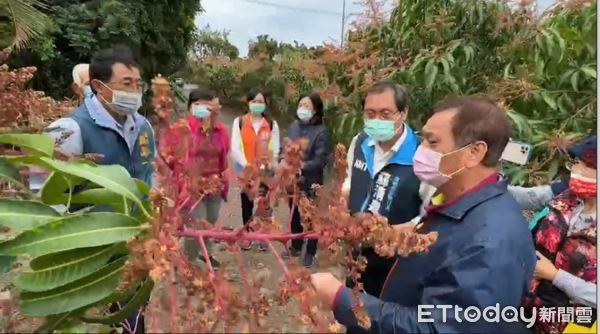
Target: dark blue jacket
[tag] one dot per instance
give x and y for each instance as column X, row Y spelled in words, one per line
column 99, row 138
column 318, row 151
column 484, row 255
column 392, row 192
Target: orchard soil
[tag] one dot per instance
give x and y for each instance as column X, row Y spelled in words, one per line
column 281, row 318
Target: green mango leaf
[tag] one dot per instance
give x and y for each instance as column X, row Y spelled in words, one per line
column 589, row 71
column 566, row 75
column 75, row 295
column 96, row 196
column 548, row 99
column 35, row 144
column 112, row 177
column 8, row 172
column 57, row 269
column 21, row 215
column 446, row 67
column 53, row 322
column 561, row 43
column 6, row 262
column 431, row 71
column 55, row 189
column 142, row 186
column 88, row 230
column 574, row 81
column 73, row 329
column 140, row 297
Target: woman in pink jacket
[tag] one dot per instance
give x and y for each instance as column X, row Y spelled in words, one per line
column 208, row 157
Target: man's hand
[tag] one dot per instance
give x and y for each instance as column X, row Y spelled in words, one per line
column 544, row 269
column 326, row 286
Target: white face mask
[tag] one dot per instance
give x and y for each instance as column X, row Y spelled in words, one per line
column 124, row 103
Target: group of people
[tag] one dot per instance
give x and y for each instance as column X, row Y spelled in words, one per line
column 443, row 178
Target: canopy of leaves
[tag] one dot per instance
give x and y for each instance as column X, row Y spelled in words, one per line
column 214, row 43
column 541, row 68
column 21, row 21
column 160, row 31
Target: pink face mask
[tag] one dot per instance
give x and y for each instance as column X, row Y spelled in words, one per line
column 426, row 165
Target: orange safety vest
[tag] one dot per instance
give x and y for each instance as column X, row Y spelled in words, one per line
column 255, row 145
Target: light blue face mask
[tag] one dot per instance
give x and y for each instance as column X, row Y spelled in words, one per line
column 304, row 114
column 257, row 108
column 200, row 111
column 87, row 91
column 380, row 130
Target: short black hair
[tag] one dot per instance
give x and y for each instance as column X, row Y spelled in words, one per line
column 479, row 118
column 253, row 93
column 198, row 94
column 317, row 103
column 103, row 61
column 401, row 95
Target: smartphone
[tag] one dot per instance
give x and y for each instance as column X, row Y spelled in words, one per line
column 517, row 152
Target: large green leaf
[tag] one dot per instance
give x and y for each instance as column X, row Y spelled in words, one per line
column 143, row 187
column 21, row 215
column 6, row 262
column 140, row 297
column 431, row 71
column 35, row 144
column 56, row 188
column 8, row 172
column 112, row 177
column 94, row 196
column 75, row 295
column 88, row 230
column 589, row 71
column 100, row 196
column 57, row 269
column 53, row 322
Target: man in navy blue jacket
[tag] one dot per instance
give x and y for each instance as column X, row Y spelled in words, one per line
column 484, row 254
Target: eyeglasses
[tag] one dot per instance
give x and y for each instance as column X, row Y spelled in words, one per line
column 381, row 114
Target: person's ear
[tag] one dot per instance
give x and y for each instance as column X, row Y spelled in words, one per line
column 75, row 88
column 475, row 154
column 404, row 114
column 96, row 85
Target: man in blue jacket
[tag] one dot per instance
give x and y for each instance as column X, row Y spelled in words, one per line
column 380, row 177
column 108, row 123
column 484, row 254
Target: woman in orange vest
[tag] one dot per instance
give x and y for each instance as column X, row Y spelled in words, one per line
column 254, row 137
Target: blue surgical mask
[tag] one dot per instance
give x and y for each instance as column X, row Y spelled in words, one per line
column 87, row 91
column 380, row 130
column 257, row 108
column 124, row 103
column 304, row 114
column 200, row 111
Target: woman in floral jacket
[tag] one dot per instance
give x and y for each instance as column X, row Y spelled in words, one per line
column 565, row 240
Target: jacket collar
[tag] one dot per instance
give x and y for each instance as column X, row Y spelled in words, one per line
column 404, row 154
column 456, row 209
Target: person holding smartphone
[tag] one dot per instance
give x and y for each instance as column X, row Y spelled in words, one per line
column 565, row 239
